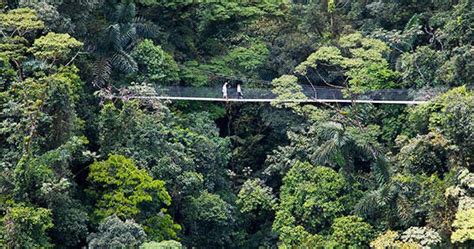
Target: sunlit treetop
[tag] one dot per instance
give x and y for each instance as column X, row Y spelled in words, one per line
column 357, row 62
column 54, row 46
column 19, row 22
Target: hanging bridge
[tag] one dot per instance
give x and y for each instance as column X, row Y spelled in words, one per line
column 312, row 95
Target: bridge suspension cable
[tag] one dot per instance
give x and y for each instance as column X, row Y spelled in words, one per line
column 313, row 95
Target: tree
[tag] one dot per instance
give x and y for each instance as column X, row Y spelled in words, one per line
column 424, row 154
column 165, row 244
column 25, row 226
column 167, row 149
column 254, row 196
column 351, row 231
column 115, row 233
column 456, row 30
column 243, row 60
column 54, row 21
column 361, row 61
column 45, row 181
column 54, row 46
column 7, row 73
column 208, row 221
column 234, row 172
column 464, row 227
column 39, row 127
column 116, row 39
column 256, row 203
column 407, row 200
column 69, row 217
column 423, row 236
column 41, row 115
column 311, row 197
column 390, row 239
column 20, row 22
column 422, row 68
column 122, row 189
column 342, row 144
column 154, row 64
column 451, row 114
column 16, row 26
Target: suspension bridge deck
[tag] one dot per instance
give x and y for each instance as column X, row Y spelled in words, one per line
column 310, row 95
column 362, row 101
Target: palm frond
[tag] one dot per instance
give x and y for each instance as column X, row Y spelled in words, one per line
column 326, row 152
column 404, row 209
column 380, row 171
column 331, row 129
column 387, row 194
column 114, row 37
column 110, row 9
column 145, row 28
column 124, row 62
column 128, row 34
column 127, row 12
column 369, row 204
column 364, row 181
column 102, row 71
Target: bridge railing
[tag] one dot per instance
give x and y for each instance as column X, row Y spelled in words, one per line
column 319, row 93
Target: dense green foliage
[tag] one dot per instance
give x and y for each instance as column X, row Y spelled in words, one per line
column 81, row 169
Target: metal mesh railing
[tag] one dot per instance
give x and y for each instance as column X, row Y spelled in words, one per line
column 318, row 93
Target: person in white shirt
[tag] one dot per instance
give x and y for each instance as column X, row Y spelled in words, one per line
column 239, row 92
column 224, row 90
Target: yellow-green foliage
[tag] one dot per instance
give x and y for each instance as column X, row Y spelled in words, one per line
column 348, row 231
column 384, row 240
column 165, row 244
column 331, row 6
column 310, row 195
column 389, row 239
column 122, row 187
column 286, row 87
column 14, row 48
column 464, row 226
column 25, row 227
column 54, row 46
column 360, row 59
column 20, row 21
column 13, row 26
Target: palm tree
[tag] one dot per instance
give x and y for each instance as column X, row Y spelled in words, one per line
column 390, row 199
column 340, row 148
column 385, row 197
column 117, row 38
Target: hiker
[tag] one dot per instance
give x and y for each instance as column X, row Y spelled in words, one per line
column 239, row 92
column 224, row 90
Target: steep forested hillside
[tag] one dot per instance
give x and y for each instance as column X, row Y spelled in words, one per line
column 82, row 169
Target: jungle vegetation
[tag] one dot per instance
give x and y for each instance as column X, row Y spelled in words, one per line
column 79, row 169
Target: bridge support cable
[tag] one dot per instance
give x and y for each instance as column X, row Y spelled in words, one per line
column 313, row 95
column 361, row 101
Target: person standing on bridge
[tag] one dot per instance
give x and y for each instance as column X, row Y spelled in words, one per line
column 224, row 90
column 239, row 92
